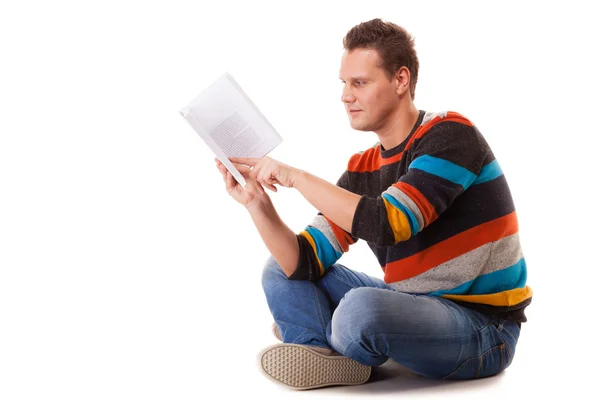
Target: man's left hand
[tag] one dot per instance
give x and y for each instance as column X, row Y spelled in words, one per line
column 267, row 171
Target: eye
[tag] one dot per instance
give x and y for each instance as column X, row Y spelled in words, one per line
column 360, row 83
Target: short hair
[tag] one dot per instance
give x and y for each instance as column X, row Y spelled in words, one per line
column 394, row 44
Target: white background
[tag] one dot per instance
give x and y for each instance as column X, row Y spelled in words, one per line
column 126, row 271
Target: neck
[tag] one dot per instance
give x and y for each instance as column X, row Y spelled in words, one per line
column 400, row 125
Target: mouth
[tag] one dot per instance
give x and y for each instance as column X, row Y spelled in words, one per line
column 354, row 111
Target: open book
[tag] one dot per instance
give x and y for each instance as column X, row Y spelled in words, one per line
column 230, row 123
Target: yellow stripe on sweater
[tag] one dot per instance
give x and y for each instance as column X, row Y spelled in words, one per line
column 398, row 222
column 507, row 298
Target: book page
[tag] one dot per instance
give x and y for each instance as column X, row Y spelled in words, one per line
column 235, row 136
column 230, row 123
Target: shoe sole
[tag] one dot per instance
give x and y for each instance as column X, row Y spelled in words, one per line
column 300, row 368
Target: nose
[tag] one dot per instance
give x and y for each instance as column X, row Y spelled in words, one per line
column 347, row 95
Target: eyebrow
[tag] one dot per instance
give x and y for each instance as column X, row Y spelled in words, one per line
column 357, row 78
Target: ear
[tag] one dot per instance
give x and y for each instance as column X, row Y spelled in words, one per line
column 402, row 80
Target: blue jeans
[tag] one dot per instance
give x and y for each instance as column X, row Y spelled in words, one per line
column 364, row 319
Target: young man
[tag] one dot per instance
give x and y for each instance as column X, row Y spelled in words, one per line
column 434, row 206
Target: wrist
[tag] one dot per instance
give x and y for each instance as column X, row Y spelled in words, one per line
column 299, row 179
column 260, row 202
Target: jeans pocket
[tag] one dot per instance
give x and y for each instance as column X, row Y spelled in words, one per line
column 491, row 362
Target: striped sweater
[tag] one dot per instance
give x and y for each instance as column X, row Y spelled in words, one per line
column 437, row 212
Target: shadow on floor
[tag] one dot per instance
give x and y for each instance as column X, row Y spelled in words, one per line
column 391, row 377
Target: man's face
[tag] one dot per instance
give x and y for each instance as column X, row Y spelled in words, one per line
column 368, row 95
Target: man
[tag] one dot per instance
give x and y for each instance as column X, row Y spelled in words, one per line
column 435, row 208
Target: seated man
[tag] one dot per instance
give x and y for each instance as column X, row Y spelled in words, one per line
column 432, row 203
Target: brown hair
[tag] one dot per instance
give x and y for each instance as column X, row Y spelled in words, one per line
column 394, row 44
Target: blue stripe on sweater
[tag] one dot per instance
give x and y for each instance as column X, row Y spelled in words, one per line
column 489, row 172
column 444, row 169
column 509, row 278
column 412, row 220
column 325, row 250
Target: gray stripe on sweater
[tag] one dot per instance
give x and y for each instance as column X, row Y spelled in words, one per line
column 431, row 115
column 490, row 257
column 320, row 223
column 406, row 201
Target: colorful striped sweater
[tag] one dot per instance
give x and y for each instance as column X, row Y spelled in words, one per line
column 437, row 212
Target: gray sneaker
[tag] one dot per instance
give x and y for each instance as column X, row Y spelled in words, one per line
column 305, row 367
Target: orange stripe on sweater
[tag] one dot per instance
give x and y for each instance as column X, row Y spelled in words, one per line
column 451, row 248
column 427, row 210
column 370, row 161
column 343, row 238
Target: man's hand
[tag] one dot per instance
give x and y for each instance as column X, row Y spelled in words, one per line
column 267, row 171
column 251, row 194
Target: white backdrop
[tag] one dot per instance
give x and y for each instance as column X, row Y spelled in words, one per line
column 126, row 271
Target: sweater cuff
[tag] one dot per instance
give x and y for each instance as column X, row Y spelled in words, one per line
column 308, row 265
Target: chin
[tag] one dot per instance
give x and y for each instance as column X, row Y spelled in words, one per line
column 360, row 126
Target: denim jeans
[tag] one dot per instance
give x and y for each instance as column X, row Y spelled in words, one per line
column 364, row 319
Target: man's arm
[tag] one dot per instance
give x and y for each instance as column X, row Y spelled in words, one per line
column 304, row 256
column 447, row 161
column 336, row 202
column 280, row 240
column 301, row 257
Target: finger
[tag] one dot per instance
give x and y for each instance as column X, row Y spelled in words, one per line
column 270, row 186
column 227, row 178
column 224, row 174
column 260, row 187
column 244, row 169
column 230, row 180
column 246, row 161
column 257, row 184
column 220, row 168
column 267, row 184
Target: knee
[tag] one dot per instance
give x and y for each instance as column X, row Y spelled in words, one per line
column 355, row 322
column 357, row 316
column 272, row 273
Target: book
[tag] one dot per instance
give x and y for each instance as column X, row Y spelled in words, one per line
column 230, row 123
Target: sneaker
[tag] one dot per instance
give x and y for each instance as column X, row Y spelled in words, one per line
column 304, row 367
column 276, row 333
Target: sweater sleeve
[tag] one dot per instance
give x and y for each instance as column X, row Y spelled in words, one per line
column 321, row 244
column 444, row 163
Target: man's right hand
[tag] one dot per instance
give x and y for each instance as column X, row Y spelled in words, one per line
column 251, row 194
